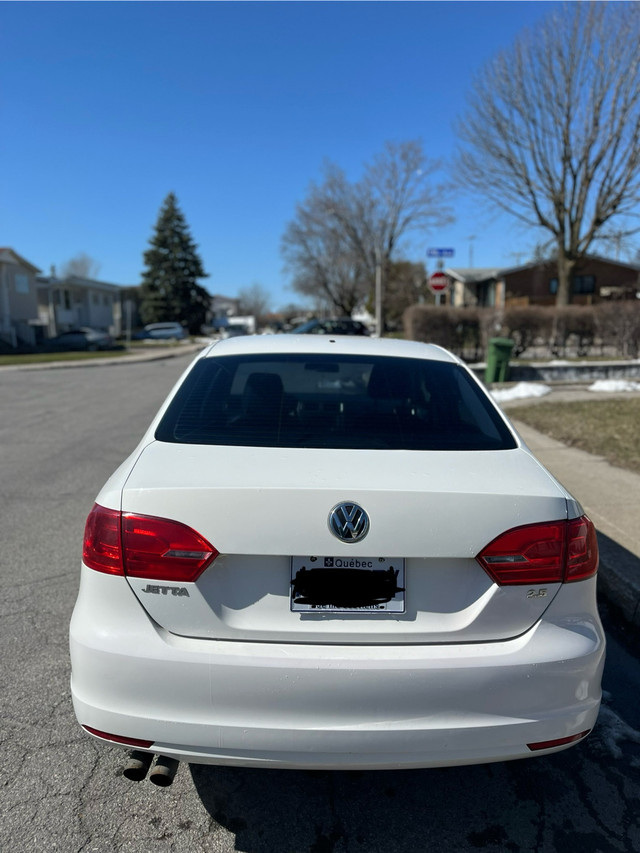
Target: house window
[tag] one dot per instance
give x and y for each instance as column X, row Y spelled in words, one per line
column 579, row 284
column 583, row 283
column 21, row 282
column 95, row 297
column 106, row 301
column 64, row 299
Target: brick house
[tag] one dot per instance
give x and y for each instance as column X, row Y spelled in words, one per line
column 594, row 280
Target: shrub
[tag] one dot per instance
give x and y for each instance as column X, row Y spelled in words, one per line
column 618, row 326
column 573, row 324
column 461, row 330
column 465, row 331
column 528, row 325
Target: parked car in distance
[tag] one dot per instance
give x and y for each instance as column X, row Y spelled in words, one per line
column 337, row 326
column 335, row 553
column 234, row 331
column 80, row 339
column 162, row 331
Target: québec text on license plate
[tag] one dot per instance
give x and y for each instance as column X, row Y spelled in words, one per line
column 347, row 584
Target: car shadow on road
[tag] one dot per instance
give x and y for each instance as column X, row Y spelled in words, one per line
column 542, row 805
column 619, row 585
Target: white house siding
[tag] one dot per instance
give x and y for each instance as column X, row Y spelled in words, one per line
column 18, row 298
column 74, row 302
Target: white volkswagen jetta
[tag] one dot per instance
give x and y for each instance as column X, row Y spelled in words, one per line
column 335, row 553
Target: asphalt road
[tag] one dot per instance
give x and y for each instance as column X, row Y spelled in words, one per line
column 62, row 433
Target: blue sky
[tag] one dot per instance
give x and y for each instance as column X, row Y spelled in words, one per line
column 105, row 107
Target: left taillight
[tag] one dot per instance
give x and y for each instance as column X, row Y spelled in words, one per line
column 102, row 547
column 144, row 546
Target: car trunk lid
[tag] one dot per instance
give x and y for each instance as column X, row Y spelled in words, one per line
column 266, row 509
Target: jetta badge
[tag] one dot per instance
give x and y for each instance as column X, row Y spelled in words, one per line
column 348, row 522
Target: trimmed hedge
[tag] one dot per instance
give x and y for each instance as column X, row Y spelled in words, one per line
column 463, row 331
column 608, row 328
column 527, row 326
column 618, row 325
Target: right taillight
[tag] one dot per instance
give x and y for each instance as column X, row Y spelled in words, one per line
column 550, row 552
column 582, row 549
column 144, row 546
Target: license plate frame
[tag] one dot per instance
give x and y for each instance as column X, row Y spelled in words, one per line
column 347, row 585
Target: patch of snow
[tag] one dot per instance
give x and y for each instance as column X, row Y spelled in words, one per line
column 558, row 362
column 613, row 385
column 520, row 392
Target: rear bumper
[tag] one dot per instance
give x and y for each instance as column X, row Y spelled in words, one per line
column 311, row 706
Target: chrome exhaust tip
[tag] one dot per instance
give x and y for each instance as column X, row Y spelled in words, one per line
column 138, row 765
column 164, row 771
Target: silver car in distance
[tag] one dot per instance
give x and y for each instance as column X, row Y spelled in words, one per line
column 335, row 552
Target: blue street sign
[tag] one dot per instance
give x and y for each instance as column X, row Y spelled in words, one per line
column 440, row 253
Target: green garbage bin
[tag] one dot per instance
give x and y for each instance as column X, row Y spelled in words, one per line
column 497, row 369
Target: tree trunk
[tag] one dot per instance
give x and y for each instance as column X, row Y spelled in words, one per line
column 565, row 270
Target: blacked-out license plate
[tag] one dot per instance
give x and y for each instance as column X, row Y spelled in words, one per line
column 347, row 584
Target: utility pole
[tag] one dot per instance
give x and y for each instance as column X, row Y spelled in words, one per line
column 471, row 239
column 379, row 326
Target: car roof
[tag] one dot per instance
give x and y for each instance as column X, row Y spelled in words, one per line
column 327, row 345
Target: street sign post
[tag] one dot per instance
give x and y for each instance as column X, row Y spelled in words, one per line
column 440, row 253
column 438, row 282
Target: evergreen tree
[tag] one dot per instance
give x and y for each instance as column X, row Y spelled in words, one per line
column 169, row 289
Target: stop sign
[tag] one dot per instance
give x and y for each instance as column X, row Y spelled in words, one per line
column 438, row 282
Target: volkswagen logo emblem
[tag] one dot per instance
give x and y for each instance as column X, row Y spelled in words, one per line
column 348, row 522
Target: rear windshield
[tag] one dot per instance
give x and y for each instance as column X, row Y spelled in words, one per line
column 339, row 402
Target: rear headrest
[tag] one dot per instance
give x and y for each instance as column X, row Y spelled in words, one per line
column 389, row 382
column 266, row 386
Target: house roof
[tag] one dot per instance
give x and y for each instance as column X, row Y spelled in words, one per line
column 473, row 275
column 10, row 256
column 88, row 283
column 222, row 298
column 551, row 261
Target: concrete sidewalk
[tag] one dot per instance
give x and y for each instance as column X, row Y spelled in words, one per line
column 611, row 498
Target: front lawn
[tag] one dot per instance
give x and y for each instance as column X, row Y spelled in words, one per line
column 607, row 428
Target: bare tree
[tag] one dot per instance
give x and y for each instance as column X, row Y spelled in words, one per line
column 405, row 286
column 343, row 230
column 81, row 266
column 324, row 266
column 551, row 133
column 254, row 300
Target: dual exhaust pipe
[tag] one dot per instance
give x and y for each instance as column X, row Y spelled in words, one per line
column 139, row 763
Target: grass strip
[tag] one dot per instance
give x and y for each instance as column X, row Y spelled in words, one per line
column 607, row 428
column 85, row 355
column 44, row 358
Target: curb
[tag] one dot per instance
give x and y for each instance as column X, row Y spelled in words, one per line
column 109, row 362
column 568, row 372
